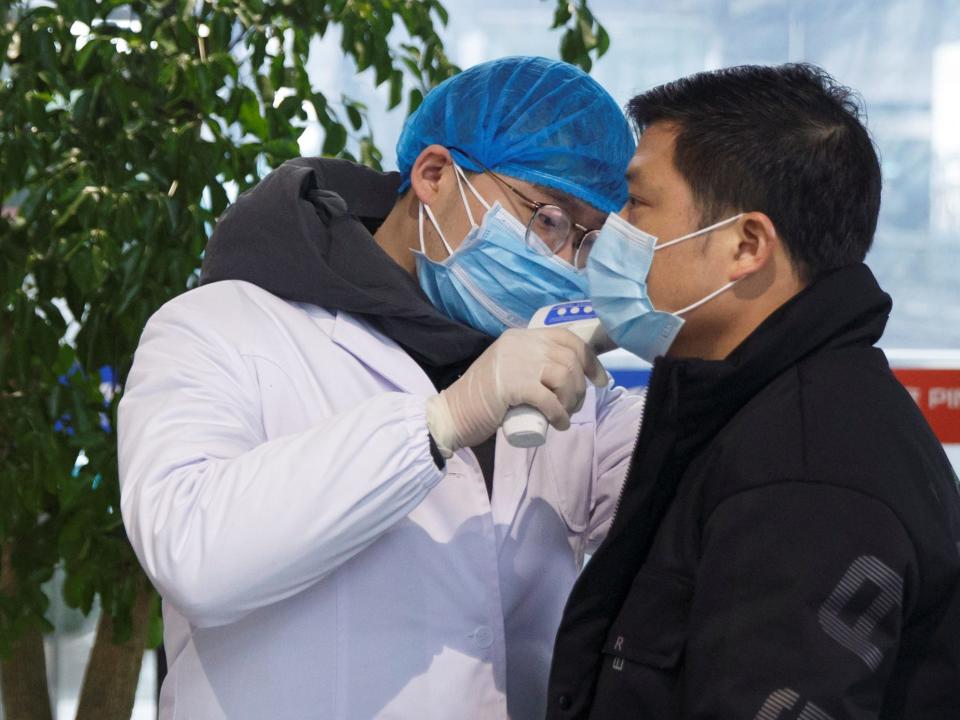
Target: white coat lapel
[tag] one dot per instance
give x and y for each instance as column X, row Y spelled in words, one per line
column 381, row 354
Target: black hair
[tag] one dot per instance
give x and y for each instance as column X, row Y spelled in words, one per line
column 784, row 140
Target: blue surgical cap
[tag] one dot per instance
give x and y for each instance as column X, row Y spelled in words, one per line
column 542, row 121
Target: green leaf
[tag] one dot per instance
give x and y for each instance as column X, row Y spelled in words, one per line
column 79, row 590
column 319, row 102
column 585, row 24
column 276, row 71
column 155, row 630
column 258, row 50
column 82, row 272
column 414, row 98
column 47, row 50
column 250, row 118
column 218, row 198
column 87, row 53
column 281, row 149
column 369, row 154
column 573, row 51
column 396, row 89
column 603, row 40
column 86, row 103
column 335, row 140
column 289, row 106
column 266, row 88
column 383, row 68
column 301, row 42
column 356, row 121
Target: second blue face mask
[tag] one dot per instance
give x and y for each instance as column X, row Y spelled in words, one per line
column 617, row 269
column 494, row 280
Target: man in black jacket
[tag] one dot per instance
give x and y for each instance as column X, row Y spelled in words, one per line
column 786, row 544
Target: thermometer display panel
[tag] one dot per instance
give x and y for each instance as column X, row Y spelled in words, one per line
column 569, row 312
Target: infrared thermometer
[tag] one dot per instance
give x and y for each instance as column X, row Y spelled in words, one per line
column 524, row 425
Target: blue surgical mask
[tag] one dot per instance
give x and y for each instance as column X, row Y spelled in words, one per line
column 494, row 280
column 617, row 270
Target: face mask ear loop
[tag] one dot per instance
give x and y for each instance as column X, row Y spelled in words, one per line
column 463, row 195
column 697, row 233
column 423, row 246
column 433, row 221
column 476, row 194
column 708, row 298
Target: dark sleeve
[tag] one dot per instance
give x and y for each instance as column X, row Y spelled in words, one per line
column 435, row 453
column 798, row 605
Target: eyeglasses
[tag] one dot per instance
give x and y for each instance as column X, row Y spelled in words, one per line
column 550, row 224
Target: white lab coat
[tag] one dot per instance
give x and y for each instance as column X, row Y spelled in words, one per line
column 278, row 488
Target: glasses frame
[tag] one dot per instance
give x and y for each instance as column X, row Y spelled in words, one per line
column 536, row 206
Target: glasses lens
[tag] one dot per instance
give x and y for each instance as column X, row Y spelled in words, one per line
column 552, row 225
column 583, row 251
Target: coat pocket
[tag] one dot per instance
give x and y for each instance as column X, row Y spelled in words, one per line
column 642, row 657
column 652, row 625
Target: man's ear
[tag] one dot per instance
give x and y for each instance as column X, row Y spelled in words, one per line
column 757, row 240
column 427, row 172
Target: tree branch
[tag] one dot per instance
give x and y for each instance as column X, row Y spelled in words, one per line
column 23, row 676
column 110, row 681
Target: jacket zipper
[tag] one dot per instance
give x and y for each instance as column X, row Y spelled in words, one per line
column 633, row 454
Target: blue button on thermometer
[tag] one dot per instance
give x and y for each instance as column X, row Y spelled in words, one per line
column 565, row 313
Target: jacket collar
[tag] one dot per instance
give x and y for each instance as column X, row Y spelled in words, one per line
column 843, row 308
column 380, row 354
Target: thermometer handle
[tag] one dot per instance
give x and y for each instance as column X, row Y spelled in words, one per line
column 525, row 426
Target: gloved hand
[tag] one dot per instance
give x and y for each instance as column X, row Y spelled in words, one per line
column 543, row 367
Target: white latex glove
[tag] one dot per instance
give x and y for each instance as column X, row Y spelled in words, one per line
column 543, row 367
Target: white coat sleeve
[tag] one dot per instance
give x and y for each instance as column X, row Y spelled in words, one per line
column 619, row 413
column 225, row 522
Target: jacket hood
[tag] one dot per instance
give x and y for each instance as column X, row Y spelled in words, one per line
column 304, row 235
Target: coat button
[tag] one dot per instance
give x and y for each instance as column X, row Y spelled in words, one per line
column 563, row 702
column 483, row 637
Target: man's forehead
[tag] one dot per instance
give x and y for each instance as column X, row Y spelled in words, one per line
column 655, row 147
column 635, row 171
column 653, row 160
column 639, row 176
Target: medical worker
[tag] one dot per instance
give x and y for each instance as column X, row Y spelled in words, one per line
column 332, row 536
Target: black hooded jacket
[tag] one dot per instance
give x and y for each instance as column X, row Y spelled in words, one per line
column 304, row 234
column 787, row 543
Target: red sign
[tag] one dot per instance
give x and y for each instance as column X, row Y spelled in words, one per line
column 937, row 392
